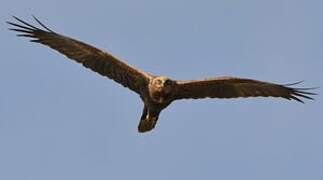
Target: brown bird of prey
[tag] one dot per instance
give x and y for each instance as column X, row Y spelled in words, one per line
column 156, row 92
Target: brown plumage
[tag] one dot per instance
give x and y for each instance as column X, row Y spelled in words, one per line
column 156, row 92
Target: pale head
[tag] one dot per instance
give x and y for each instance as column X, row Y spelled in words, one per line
column 160, row 88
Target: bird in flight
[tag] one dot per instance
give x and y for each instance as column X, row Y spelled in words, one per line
column 156, row 92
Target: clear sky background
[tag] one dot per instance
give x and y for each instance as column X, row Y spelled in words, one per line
column 59, row 120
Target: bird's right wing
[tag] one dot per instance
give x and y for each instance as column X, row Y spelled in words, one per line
column 230, row 87
column 91, row 57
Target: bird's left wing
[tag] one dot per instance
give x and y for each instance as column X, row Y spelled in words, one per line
column 91, row 57
column 230, row 87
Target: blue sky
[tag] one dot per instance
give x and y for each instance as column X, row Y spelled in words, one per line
column 59, row 120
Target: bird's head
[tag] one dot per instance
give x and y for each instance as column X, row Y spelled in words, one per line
column 161, row 87
column 162, row 83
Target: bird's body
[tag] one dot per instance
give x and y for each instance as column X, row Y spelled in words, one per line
column 156, row 92
column 157, row 97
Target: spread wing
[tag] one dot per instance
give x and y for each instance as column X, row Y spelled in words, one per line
column 230, row 87
column 91, row 57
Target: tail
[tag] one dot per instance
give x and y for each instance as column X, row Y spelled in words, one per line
column 148, row 121
column 146, row 125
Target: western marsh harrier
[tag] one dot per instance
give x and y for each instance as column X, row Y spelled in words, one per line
column 156, row 92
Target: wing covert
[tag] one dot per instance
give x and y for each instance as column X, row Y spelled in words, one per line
column 91, row 57
column 230, row 87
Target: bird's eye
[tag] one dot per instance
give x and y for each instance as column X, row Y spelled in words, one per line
column 159, row 81
column 167, row 82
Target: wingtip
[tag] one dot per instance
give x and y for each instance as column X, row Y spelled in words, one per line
column 296, row 99
column 295, row 83
column 41, row 24
column 34, row 17
column 25, row 25
column 16, row 18
column 299, row 94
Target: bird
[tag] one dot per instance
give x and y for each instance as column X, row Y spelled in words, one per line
column 156, row 92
